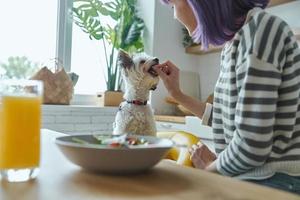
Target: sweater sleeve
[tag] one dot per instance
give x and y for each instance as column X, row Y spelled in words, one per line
column 254, row 118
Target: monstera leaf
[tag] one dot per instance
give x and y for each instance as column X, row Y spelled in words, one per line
column 88, row 24
column 132, row 34
column 113, row 9
column 91, row 7
column 126, row 34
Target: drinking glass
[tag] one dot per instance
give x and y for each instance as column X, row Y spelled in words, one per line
column 20, row 118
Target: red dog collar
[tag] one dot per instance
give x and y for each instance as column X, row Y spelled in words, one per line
column 137, row 102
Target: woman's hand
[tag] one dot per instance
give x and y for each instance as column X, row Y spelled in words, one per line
column 201, row 156
column 169, row 73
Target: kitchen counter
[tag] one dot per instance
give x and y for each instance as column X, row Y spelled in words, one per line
column 191, row 124
column 59, row 179
column 170, row 118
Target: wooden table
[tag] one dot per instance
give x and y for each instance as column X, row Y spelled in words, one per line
column 59, row 179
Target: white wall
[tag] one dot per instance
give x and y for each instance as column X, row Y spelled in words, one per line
column 163, row 38
column 146, row 11
column 209, row 72
column 289, row 12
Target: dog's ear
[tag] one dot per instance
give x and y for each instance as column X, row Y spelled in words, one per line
column 124, row 60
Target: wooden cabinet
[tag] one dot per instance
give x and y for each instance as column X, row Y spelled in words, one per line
column 278, row 2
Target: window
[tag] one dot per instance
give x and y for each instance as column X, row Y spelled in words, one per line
column 79, row 54
column 37, row 31
column 28, row 36
column 88, row 60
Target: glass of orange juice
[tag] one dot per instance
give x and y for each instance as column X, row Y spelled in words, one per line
column 20, row 117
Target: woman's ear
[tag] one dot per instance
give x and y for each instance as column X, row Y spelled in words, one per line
column 124, row 60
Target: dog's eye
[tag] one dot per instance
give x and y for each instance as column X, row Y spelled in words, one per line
column 142, row 61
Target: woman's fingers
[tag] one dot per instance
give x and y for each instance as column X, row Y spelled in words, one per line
column 168, row 65
column 168, row 68
column 197, row 159
column 201, row 156
column 199, row 150
column 169, row 74
column 163, row 68
column 160, row 72
column 192, row 149
column 196, row 147
column 171, row 65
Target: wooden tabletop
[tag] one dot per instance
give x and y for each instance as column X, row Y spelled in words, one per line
column 59, row 179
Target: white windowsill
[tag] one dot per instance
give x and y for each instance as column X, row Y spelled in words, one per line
column 79, row 108
column 85, row 99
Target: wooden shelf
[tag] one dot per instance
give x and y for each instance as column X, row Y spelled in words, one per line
column 279, row 2
column 196, row 49
column 169, row 118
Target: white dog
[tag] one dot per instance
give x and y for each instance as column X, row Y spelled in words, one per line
column 135, row 115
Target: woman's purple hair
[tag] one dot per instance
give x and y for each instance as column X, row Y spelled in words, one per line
column 219, row 20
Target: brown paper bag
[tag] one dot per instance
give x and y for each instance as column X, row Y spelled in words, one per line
column 58, row 87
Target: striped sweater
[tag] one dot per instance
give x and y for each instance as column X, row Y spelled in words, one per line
column 256, row 111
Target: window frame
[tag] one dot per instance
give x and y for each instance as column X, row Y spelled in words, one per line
column 64, row 48
column 64, row 33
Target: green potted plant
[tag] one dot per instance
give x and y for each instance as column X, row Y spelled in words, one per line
column 126, row 34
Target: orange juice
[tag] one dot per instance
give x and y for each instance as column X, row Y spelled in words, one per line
column 20, row 132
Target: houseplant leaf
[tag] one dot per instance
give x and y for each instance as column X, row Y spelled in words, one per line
column 126, row 34
column 88, row 24
column 132, row 34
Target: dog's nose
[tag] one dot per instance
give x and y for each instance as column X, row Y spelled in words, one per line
column 156, row 60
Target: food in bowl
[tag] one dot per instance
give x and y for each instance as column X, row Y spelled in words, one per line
column 115, row 141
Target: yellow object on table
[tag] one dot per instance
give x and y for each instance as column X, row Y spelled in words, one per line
column 184, row 140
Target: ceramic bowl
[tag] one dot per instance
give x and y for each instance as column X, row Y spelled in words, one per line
column 116, row 160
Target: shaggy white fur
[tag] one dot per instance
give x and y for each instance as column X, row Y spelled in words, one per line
column 139, row 79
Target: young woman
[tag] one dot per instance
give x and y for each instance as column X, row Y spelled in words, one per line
column 256, row 109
